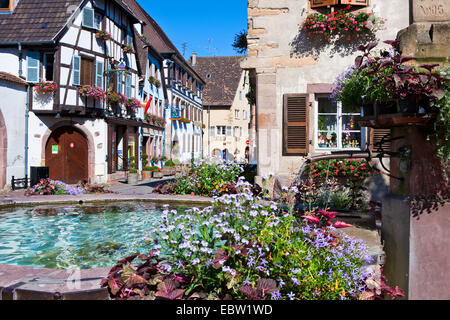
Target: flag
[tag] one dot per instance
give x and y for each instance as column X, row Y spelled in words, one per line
column 148, row 105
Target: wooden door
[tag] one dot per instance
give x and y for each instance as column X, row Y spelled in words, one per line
column 66, row 155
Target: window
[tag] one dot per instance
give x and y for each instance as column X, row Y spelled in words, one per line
column 240, row 95
column 98, row 21
column 221, row 130
column 337, row 127
column 48, row 64
column 228, row 131
column 6, row 5
column 76, row 69
column 88, row 18
column 129, row 37
column 236, row 114
column 211, row 131
column 33, row 66
column 99, row 74
column 245, row 114
column 325, row 3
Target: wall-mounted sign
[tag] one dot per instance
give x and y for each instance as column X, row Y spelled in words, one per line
column 175, row 113
column 55, row 149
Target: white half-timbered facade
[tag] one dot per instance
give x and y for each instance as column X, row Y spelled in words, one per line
column 83, row 75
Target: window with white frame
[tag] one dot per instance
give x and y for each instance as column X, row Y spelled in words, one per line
column 245, row 114
column 221, row 130
column 236, row 114
column 336, row 126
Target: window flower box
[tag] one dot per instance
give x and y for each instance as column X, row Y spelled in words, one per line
column 128, row 49
column 341, row 23
column 93, row 92
column 103, row 35
column 45, row 88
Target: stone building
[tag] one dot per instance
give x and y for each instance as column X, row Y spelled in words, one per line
column 294, row 71
column 226, row 111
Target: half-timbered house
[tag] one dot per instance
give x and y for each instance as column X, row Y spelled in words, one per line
column 78, row 56
column 183, row 111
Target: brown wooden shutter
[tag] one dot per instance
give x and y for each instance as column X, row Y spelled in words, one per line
column 356, row 2
column 295, row 124
column 323, row 3
column 87, row 72
column 375, row 137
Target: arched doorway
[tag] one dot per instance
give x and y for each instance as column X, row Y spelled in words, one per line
column 66, row 155
column 3, row 151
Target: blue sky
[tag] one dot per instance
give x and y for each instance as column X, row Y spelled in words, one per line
column 207, row 27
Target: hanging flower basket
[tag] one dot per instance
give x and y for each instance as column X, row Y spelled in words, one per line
column 94, row 92
column 341, row 23
column 45, row 88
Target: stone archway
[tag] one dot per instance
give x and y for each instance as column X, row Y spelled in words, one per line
column 3, row 150
column 85, row 133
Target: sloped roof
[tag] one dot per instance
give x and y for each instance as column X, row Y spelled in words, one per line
column 155, row 35
column 222, row 76
column 152, row 31
column 40, row 20
column 8, row 77
column 36, row 20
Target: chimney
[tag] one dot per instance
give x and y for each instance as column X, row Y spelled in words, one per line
column 194, row 59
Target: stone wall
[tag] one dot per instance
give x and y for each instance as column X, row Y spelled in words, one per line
column 286, row 61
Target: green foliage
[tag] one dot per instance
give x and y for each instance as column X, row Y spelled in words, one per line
column 209, row 177
column 246, row 249
column 441, row 132
column 240, row 42
column 169, row 163
column 351, row 175
column 133, row 170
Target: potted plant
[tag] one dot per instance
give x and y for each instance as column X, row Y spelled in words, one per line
column 146, row 170
column 133, row 175
column 151, row 79
column 169, row 168
column 157, row 83
column 384, row 85
column 157, row 172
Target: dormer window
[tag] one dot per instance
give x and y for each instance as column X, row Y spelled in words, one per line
column 326, row 3
column 6, row 5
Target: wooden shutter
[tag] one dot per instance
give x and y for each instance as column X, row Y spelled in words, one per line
column 88, row 18
column 76, row 70
column 323, row 3
column 295, row 124
column 33, row 66
column 375, row 137
column 87, row 72
column 356, row 2
column 99, row 74
column 128, row 85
